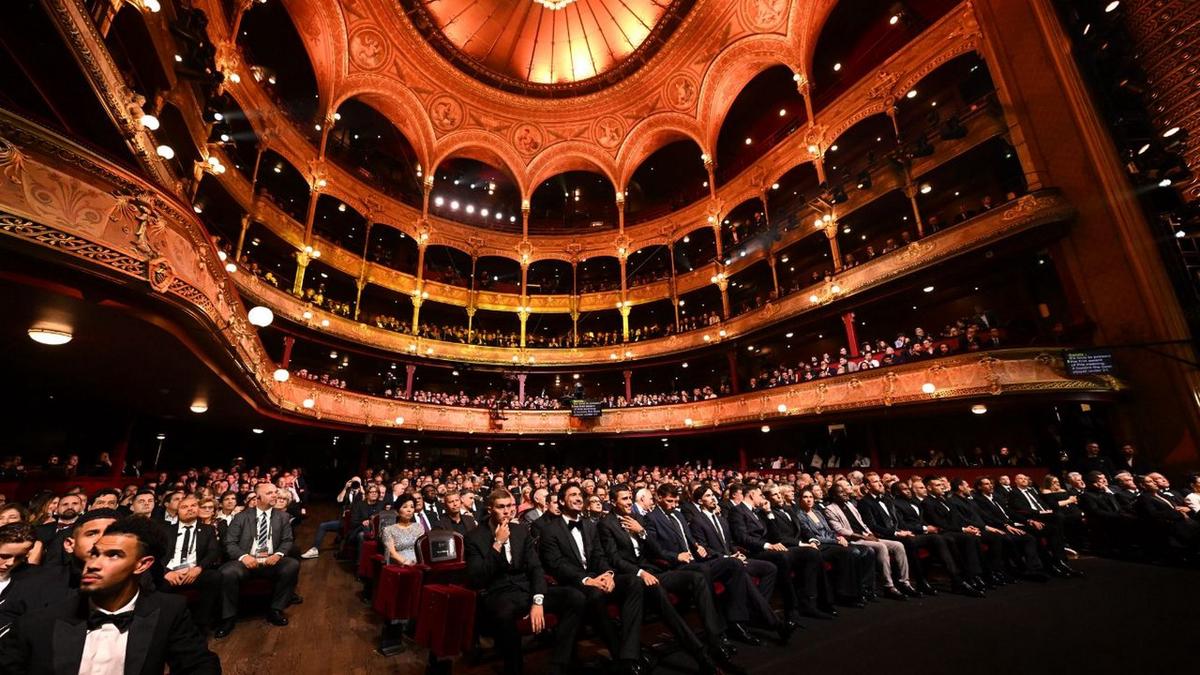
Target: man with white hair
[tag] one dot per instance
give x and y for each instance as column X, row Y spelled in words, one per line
column 643, row 501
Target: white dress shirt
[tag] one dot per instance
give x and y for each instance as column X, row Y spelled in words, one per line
column 577, row 535
column 104, row 648
column 181, row 559
column 1192, row 501
column 4, row 582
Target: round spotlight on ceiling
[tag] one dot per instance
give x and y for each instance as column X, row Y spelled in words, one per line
column 782, row 408
column 165, row 151
column 149, row 121
column 281, row 375
column 256, row 430
column 979, row 409
column 199, row 407
column 308, row 402
column 765, row 429
column 399, row 421
column 261, row 316
column 928, row 388
column 50, row 336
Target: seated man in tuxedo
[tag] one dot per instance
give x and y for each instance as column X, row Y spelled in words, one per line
column 631, row 551
column 878, row 509
column 801, row 565
column 1113, row 523
column 1020, row 545
column 48, row 583
column 705, row 545
column 503, row 564
column 1126, row 490
column 912, row 497
column 1168, row 519
column 257, row 543
column 112, row 624
column 455, row 519
column 1035, row 517
column 572, row 553
column 192, row 556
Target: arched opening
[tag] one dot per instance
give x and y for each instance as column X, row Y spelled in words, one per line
column 744, row 229
column 283, row 185
column 852, row 160
column 365, row 143
column 880, row 227
column 668, row 180
column 232, row 131
column 173, row 132
column 268, row 257
column 601, row 273
column 339, row 223
column 448, row 265
column 700, row 308
column 497, row 275
column 984, row 178
column 131, row 46
column 601, row 328
column 219, row 211
column 750, row 288
column 651, row 320
column 937, row 105
column 803, row 263
column 279, row 62
column 473, row 192
column 648, row 265
column 788, row 200
column 328, row 288
column 576, row 201
column 695, row 249
column 859, row 35
column 441, row 321
column 768, row 110
column 550, row 277
column 385, row 308
column 392, row 248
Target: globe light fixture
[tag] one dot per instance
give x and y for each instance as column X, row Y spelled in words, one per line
column 281, row 375
column 260, row 316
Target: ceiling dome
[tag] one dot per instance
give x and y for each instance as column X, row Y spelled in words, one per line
column 547, row 47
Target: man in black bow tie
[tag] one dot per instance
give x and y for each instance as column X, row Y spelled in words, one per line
column 111, row 626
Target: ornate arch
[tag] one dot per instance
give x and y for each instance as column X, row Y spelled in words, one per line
column 731, row 71
column 399, row 105
column 322, row 29
column 569, row 156
column 482, row 146
column 652, row 134
column 804, row 29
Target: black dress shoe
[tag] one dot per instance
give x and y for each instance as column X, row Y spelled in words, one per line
column 276, row 618
column 223, row 629
column 785, row 630
column 964, row 588
column 738, row 632
column 857, row 603
column 827, row 609
column 724, row 662
column 982, row 583
column 927, row 589
column 295, row 599
column 894, row 594
column 908, row 590
column 723, row 652
column 1071, row 571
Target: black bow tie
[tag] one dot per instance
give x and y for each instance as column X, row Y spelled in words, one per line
column 121, row 621
column 574, row 524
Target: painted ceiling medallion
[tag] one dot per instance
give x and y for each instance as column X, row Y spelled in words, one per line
column 548, row 48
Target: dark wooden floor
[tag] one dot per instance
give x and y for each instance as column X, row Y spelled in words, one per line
column 1124, row 618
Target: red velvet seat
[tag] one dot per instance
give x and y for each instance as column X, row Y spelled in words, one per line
column 398, row 592
column 445, row 570
column 367, row 569
column 447, row 621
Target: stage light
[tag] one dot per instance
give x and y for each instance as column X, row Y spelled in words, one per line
column 308, row 402
column 979, row 409
column 928, row 388
column 199, row 407
column 782, row 408
column 49, row 336
column 150, row 122
column 281, row 375
column 260, row 316
column 165, row 151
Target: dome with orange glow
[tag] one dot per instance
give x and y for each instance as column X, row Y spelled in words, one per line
column 547, row 47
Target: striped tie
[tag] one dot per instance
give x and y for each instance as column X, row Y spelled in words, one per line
column 264, row 532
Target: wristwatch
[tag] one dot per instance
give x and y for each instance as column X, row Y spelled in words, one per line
column 539, row 599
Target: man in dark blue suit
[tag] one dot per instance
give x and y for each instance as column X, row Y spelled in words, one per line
column 800, row 565
column 670, row 532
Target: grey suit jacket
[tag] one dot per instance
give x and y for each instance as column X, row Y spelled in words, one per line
column 239, row 537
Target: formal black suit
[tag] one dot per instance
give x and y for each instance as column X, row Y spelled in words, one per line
column 466, row 523
column 801, row 564
column 631, row 554
column 50, row 640
column 562, row 559
column 882, row 515
column 994, row 545
column 1127, row 498
column 240, row 541
column 36, row 587
column 1181, row 531
column 938, row 513
column 1026, row 505
column 1112, row 523
column 1022, row 548
column 507, row 589
column 52, row 535
column 208, row 557
column 743, row 600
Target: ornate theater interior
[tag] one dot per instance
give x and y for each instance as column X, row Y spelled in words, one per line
column 757, row 238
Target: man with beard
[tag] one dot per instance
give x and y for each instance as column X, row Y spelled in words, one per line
column 909, row 518
column 52, row 582
column 631, row 551
column 52, row 534
column 112, row 624
column 572, row 553
column 878, row 508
